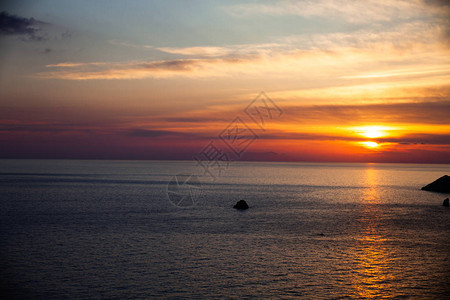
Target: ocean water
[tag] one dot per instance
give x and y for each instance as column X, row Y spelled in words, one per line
column 112, row 229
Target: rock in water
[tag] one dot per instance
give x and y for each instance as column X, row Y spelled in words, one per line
column 441, row 185
column 241, row 204
column 445, row 203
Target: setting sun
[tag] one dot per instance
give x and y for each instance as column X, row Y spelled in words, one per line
column 372, row 131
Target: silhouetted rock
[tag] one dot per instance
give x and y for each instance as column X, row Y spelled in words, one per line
column 445, row 203
column 241, row 204
column 441, row 185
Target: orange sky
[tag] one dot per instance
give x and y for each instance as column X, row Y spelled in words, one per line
column 365, row 83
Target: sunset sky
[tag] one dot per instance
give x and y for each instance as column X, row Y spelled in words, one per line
column 354, row 81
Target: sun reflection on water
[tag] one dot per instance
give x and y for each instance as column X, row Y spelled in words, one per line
column 373, row 260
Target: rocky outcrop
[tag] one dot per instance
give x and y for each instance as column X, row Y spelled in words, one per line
column 241, row 204
column 441, row 185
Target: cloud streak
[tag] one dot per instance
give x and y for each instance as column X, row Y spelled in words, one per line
column 416, row 49
column 196, row 68
column 408, row 113
column 156, row 133
column 368, row 11
column 198, row 51
column 413, row 138
column 180, row 136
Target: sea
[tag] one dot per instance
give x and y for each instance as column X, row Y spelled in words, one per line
column 98, row 229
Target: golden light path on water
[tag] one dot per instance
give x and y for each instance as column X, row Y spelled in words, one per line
column 373, row 275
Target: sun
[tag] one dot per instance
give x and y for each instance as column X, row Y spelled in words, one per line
column 372, row 132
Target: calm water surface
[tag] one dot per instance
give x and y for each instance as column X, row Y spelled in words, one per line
column 106, row 229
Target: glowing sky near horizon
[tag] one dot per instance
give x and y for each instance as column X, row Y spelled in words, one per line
column 364, row 81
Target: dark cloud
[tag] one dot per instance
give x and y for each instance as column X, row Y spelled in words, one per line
column 264, row 156
column 430, row 139
column 306, row 136
column 187, row 64
column 151, row 133
column 49, row 128
column 66, row 35
column 443, row 9
column 440, row 3
column 408, row 139
column 173, row 65
column 194, row 119
column 29, row 28
column 138, row 132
